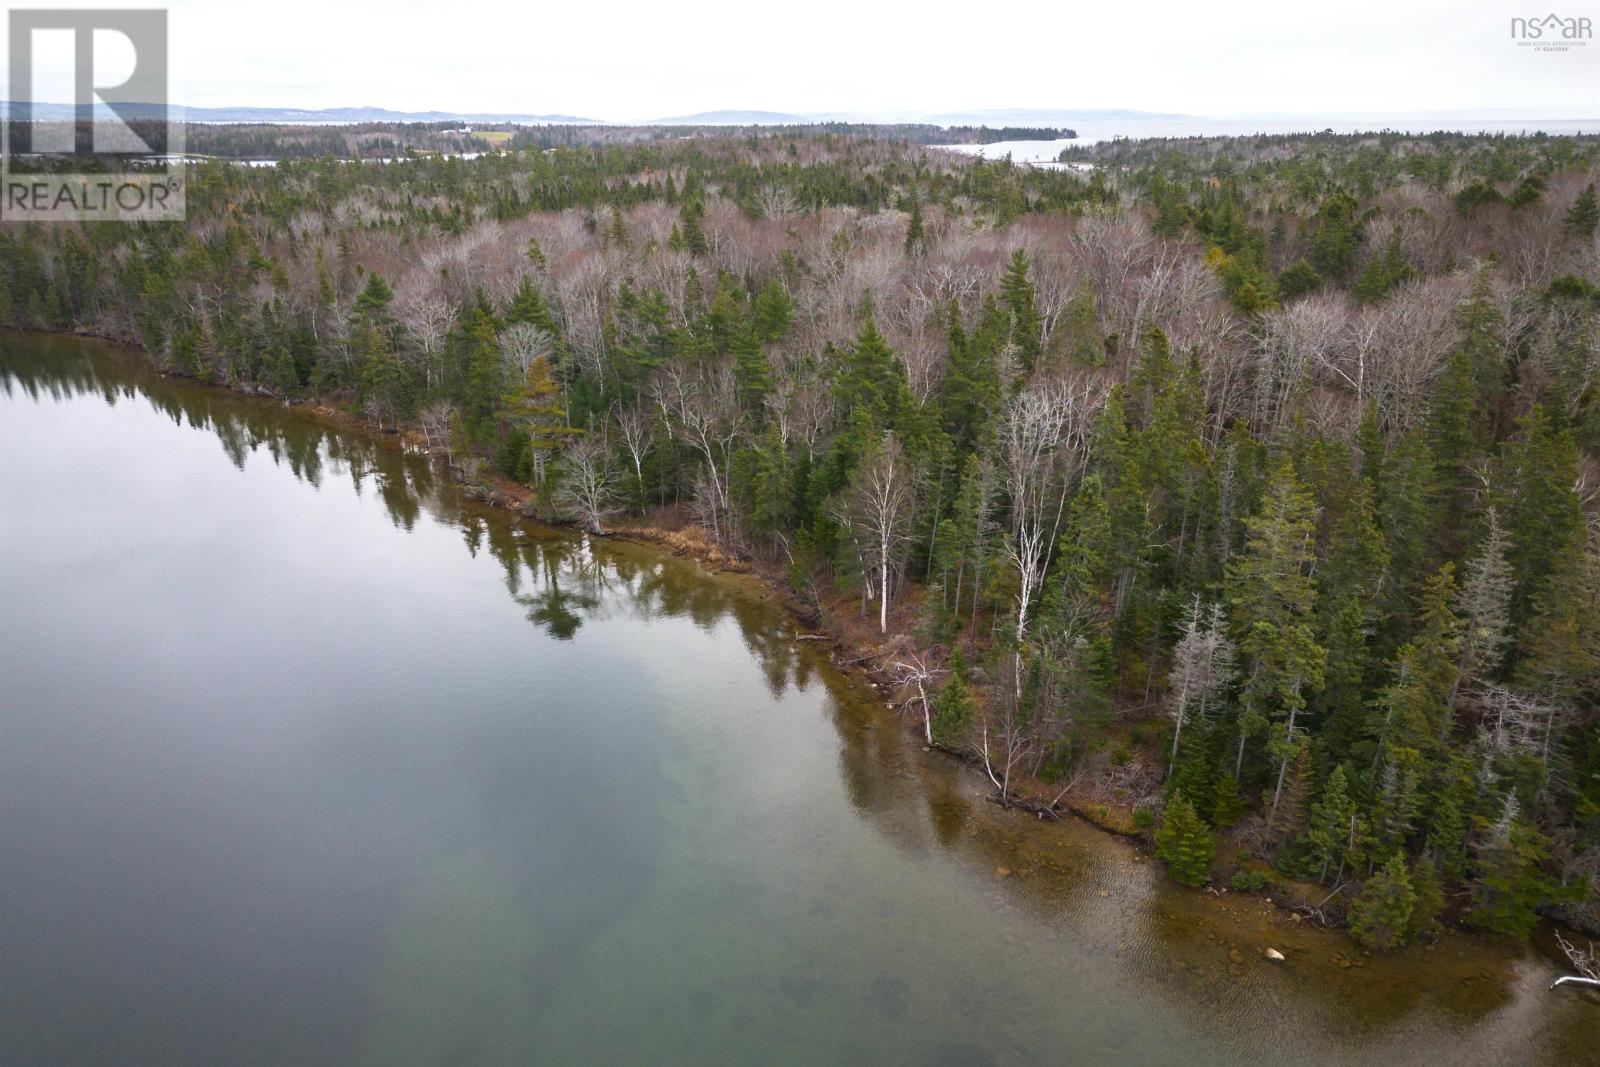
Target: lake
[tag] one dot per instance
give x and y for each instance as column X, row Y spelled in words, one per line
column 1094, row 131
column 306, row 759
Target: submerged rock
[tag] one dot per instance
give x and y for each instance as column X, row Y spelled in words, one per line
column 1274, row 955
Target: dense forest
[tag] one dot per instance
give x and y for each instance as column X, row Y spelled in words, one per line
column 389, row 140
column 1244, row 486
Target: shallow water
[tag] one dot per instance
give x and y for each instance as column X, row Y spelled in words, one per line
column 305, row 759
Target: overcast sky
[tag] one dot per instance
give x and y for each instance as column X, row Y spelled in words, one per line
column 625, row 59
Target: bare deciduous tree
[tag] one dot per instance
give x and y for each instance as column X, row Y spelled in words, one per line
column 521, row 343
column 1202, row 667
column 1044, row 442
column 638, row 433
column 876, row 508
column 584, row 483
column 700, row 406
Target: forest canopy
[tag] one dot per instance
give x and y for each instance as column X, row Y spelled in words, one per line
column 1248, row 480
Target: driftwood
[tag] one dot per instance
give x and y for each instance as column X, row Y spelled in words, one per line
column 1583, row 961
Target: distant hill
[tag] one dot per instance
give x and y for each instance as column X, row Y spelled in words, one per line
column 991, row 117
column 60, row 112
column 994, row 117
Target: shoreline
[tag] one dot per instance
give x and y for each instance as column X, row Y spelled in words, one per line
column 854, row 659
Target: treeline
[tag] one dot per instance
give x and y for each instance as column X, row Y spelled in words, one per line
column 922, row 133
column 364, row 140
column 993, row 134
column 1253, row 487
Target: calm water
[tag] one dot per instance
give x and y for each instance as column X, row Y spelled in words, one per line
column 306, row 761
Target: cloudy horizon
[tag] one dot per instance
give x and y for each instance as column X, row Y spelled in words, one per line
column 1368, row 58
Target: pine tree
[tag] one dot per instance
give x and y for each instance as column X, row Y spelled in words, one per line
column 1543, row 516
column 772, row 312
column 1450, row 809
column 1274, row 600
column 1185, row 843
column 1328, row 833
column 528, row 305
column 915, row 245
column 1417, row 702
column 693, row 236
column 536, row 410
column 1482, row 338
column 1288, row 817
column 373, row 301
column 1078, row 332
column 772, row 488
column 1399, row 799
column 1584, row 214
column 1227, row 807
column 1202, row 666
column 1485, row 606
column 1380, row 915
column 616, row 234
column 1018, row 294
column 1560, row 645
column 1383, row 272
column 871, row 381
column 1508, row 884
column 952, row 708
column 1430, row 899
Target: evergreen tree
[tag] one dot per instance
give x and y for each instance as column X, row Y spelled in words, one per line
column 1288, row 816
column 915, row 245
column 1482, row 342
column 1429, row 899
column 1485, row 606
column 1273, row 599
column 773, row 312
column 1184, row 842
column 1543, row 517
column 1508, row 884
column 1383, row 272
column 1017, row 290
column 1417, row 702
column 1227, row 807
column 952, row 708
column 1380, row 916
column 535, row 409
column 1328, row 833
column 1584, row 214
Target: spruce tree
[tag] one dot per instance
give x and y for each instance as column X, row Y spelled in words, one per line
column 1274, row 599
column 1508, row 884
column 1380, row 916
column 1429, row 899
column 1328, row 832
column 1288, row 817
column 1417, row 702
column 1543, row 516
column 535, row 408
column 1584, row 214
column 952, row 708
column 914, row 239
column 1018, row 294
column 1227, row 807
column 1184, row 842
column 1485, row 606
